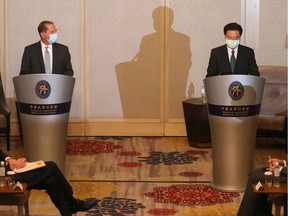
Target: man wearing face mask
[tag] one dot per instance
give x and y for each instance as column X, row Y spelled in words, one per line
column 232, row 58
column 46, row 56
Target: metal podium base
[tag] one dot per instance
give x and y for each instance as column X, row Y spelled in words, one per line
column 44, row 101
column 226, row 189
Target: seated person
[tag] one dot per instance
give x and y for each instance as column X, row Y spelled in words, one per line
column 51, row 179
column 257, row 204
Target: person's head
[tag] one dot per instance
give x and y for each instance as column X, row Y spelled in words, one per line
column 232, row 34
column 48, row 32
column 158, row 13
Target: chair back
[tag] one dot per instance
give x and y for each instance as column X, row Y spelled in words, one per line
column 274, row 100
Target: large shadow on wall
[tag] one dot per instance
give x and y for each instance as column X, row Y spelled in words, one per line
column 139, row 79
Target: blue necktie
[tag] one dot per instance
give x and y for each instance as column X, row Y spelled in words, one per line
column 47, row 61
column 232, row 61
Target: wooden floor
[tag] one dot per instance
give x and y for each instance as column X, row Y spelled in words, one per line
column 140, row 176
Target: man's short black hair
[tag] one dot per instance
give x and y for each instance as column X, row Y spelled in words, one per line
column 233, row 26
column 42, row 27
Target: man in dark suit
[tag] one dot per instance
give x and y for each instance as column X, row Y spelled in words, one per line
column 257, row 204
column 34, row 56
column 221, row 61
column 51, row 179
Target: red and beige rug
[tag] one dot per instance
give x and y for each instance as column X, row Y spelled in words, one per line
column 145, row 199
column 141, row 176
column 150, row 159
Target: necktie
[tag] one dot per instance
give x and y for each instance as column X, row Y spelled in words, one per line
column 47, row 61
column 232, row 61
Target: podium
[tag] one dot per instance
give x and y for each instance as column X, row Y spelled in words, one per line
column 43, row 102
column 234, row 103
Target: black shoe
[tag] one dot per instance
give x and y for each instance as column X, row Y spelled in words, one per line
column 83, row 205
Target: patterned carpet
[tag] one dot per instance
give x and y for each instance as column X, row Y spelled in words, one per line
column 145, row 199
column 137, row 159
column 141, row 176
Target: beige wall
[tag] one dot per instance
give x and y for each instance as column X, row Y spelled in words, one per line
column 131, row 79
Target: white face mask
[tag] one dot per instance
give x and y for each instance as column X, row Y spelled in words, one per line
column 53, row 38
column 232, row 43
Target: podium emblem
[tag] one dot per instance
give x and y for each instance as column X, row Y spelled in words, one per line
column 236, row 90
column 43, row 89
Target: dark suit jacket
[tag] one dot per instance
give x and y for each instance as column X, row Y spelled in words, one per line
column 219, row 62
column 32, row 60
column 2, row 155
